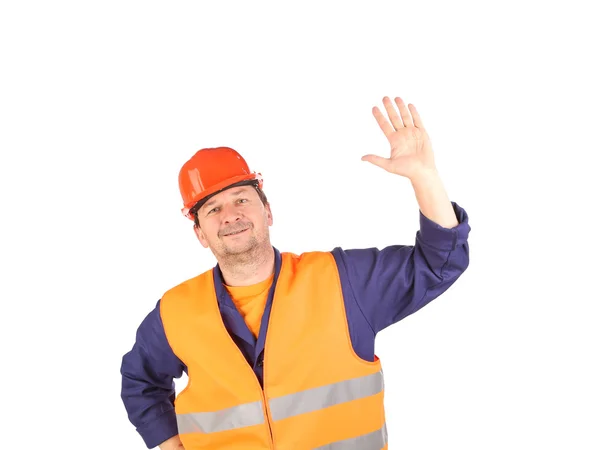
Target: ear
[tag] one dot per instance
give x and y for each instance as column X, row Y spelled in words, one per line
column 200, row 236
column 269, row 214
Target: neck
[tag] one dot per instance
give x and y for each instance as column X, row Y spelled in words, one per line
column 249, row 268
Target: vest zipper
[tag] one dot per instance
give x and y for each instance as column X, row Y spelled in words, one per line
column 268, row 415
column 266, row 408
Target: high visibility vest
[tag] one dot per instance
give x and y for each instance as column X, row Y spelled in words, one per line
column 318, row 394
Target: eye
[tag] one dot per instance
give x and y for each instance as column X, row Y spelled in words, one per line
column 212, row 210
column 243, row 200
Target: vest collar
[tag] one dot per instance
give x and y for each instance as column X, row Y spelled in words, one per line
column 241, row 330
column 222, row 294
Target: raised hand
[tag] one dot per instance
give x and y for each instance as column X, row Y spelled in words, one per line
column 411, row 153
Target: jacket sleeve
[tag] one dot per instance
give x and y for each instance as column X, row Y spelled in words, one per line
column 394, row 282
column 148, row 390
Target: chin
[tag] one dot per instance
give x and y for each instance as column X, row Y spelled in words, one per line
column 243, row 246
column 240, row 248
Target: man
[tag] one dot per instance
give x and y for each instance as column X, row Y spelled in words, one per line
column 279, row 348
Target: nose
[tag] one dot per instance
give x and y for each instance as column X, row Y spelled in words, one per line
column 230, row 214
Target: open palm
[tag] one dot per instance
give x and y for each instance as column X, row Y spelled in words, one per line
column 411, row 152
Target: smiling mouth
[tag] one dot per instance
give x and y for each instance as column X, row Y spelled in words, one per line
column 235, row 233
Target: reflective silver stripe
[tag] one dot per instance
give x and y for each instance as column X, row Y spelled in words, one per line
column 371, row 441
column 240, row 416
column 324, row 396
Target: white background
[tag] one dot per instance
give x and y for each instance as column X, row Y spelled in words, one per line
column 101, row 103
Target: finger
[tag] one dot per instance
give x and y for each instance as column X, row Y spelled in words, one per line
column 416, row 116
column 408, row 121
column 379, row 161
column 383, row 123
column 394, row 117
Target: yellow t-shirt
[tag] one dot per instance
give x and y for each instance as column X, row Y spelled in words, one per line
column 250, row 301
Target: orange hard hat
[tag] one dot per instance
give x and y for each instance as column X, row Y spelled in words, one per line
column 212, row 170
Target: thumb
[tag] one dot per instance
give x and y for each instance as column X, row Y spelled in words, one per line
column 377, row 160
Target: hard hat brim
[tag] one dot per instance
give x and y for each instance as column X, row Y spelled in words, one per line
column 222, row 186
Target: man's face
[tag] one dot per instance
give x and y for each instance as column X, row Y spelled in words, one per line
column 234, row 221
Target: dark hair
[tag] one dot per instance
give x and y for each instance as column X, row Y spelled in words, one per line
column 194, row 209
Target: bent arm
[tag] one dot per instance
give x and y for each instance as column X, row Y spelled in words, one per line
column 148, row 390
column 392, row 283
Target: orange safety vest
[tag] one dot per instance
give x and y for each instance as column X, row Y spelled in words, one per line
column 318, row 394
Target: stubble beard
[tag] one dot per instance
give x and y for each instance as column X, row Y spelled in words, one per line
column 247, row 253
